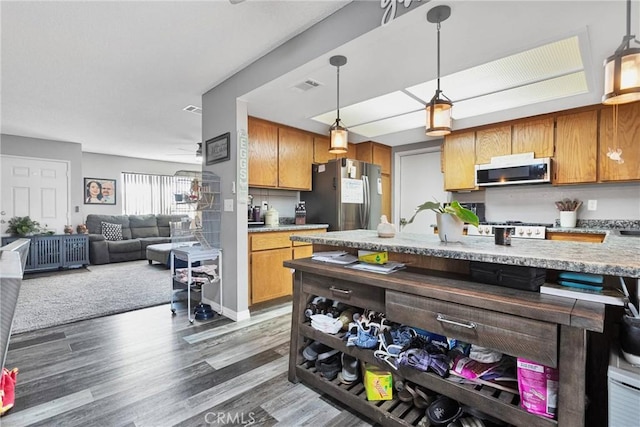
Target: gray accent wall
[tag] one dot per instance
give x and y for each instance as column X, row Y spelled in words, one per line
column 223, row 112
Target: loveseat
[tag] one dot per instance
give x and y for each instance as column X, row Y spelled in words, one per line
column 137, row 232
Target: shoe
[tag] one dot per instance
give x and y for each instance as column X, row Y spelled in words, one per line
column 443, row 411
column 311, row 352
column 7, row 389
column 349, row 372
column 330, row 366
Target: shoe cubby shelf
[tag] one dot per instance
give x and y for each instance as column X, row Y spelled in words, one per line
column 493, row 401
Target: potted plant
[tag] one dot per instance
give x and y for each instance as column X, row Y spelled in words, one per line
column 450, row 219
column 23, row 226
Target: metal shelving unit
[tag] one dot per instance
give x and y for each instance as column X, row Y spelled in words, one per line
column 197, row 195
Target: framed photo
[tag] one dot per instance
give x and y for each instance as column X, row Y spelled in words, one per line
column 217, row 149
column 99, row 191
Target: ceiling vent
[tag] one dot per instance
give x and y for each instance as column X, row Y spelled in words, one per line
column 193, row 109
column 306, row 85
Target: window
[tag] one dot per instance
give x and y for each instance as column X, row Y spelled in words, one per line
column 151, row 194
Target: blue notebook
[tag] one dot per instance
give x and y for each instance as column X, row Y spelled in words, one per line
column 582, row 277
column 580, row 285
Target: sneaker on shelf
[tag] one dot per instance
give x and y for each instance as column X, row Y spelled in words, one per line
column 328, row 364
column 311, row 351
column 349, row 371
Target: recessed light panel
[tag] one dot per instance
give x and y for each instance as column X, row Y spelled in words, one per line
column 391, row 125
column 381, row 107
column 560, row 87
column 545, row 62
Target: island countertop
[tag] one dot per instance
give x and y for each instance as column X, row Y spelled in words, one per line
column 616, row 256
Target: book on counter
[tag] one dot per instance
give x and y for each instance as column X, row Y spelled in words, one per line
column 605, row 296
column 335, row 257
column 386, row 268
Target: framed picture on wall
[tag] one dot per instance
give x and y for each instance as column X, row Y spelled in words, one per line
column 99, row 191
column 217, row 149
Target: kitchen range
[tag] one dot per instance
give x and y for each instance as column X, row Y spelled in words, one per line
column 522, row 230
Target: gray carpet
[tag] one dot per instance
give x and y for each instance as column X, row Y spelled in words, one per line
column 67, row 296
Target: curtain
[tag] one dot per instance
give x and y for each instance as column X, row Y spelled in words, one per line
column 151, row 194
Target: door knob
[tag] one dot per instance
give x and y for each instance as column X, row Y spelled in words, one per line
column 403, row 222
column 3, row 213
column 2, row 221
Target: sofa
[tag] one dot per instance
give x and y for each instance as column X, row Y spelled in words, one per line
column 126, row 237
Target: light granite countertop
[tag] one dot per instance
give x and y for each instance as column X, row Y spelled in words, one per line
column 616, row 256
column 287, row 227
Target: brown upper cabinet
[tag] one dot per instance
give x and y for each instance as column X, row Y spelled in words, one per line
column 459, row 155
column 492, row 142
column 279, row 156
column 533, row 136
column 263, row 153
column 576, row 148
column 321, row 153
column 373, row 152
column 627, row 143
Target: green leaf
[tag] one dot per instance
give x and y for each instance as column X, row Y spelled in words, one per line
column 467, row 216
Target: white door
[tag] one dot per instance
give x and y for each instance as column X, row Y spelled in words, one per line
column 36, row 188
column 419, row 180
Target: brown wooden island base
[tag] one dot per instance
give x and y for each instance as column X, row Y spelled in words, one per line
column 547, row 329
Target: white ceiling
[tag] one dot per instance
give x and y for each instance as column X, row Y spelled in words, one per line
column 114, row 76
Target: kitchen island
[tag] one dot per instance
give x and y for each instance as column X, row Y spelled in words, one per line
column 436, row 294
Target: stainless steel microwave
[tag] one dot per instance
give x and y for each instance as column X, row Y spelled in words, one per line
column 521, row 171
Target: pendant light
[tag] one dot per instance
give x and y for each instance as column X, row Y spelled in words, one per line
column 439, row 108
column 339, row 133
column 622, row 70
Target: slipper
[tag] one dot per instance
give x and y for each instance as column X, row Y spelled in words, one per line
column 416, row 395
column 443, row 411
column 7, row 389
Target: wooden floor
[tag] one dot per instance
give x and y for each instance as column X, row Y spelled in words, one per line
column 149, row 368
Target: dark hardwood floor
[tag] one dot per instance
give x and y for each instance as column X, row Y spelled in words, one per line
column 149, row 368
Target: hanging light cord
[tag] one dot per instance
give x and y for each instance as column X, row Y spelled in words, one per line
column 628, row 38
column 438, row 90
column 338, row 96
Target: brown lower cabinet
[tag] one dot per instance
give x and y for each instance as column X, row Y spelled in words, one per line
column 268, row 279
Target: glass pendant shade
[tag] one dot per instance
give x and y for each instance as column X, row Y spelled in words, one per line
column 622, row 77
column 438, row 117
column 339, row 138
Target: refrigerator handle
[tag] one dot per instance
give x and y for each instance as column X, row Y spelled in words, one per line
column 367, row 202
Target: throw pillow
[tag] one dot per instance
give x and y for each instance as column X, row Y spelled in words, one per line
column 112, row 231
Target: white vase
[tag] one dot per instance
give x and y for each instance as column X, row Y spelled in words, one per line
column 450, row 227
column 568, row 219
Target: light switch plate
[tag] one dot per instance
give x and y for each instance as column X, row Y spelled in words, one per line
column 228, row 205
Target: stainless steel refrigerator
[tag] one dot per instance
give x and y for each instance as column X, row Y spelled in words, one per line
column 346, row 194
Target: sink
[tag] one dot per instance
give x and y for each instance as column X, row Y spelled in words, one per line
column 635, row 233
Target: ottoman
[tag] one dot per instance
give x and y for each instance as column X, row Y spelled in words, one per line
column 160, row 252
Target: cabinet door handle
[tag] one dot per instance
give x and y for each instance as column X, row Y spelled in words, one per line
column 335, row 290
column 468, row 325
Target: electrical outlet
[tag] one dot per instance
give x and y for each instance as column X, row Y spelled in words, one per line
column 265, row 205
column 228, row 205
column 592, row 205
